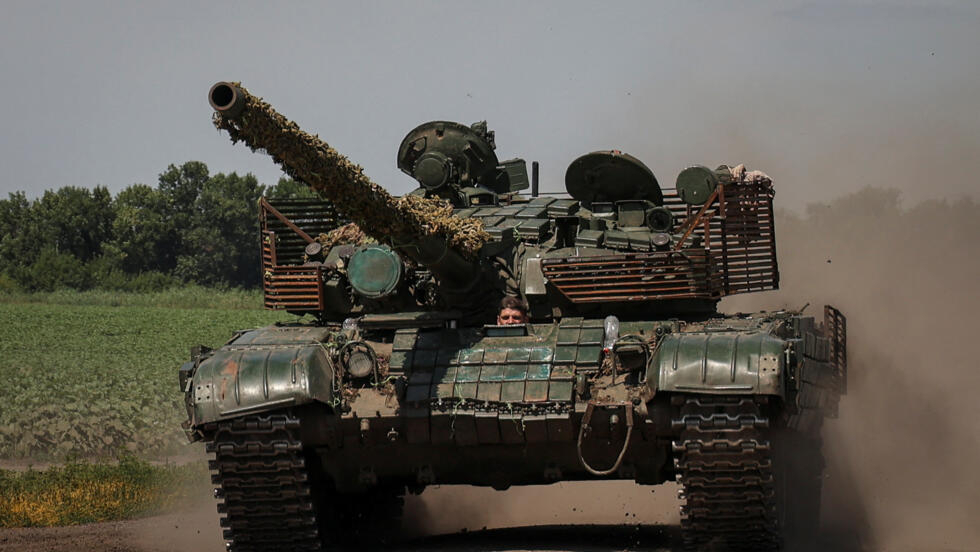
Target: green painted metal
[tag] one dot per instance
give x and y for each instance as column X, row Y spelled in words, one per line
column 440, row 153
column 695, row 184
column 290, row 365
column 375, row 271
column 261, row 370
column 499, row 372
column 660, row 219
column 719, row 363
column 609, row 176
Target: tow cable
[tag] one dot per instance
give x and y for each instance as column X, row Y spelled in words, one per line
column 585, row 428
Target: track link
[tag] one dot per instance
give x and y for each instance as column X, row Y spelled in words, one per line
column 260, row 475
column 723, row 459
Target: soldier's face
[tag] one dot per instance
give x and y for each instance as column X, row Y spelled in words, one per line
column 511, row 316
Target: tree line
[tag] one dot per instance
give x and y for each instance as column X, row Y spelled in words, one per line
column 192, row 227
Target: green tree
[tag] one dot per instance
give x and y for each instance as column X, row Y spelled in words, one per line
column 180, row 186
column 78, row 220
column 221, row 245
column 21, row 237
column 54, row 269
column 142, row 230
column 287, row 188
column 192, row 226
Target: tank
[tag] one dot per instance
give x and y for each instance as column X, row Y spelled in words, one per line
column 399, row 376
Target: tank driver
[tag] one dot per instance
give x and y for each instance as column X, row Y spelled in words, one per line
column 512, row 311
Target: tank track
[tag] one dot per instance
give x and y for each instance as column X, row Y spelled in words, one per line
column 260, row 474
column 723, row 460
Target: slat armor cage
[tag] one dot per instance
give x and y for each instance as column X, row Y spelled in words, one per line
column 288, row 226
column 730, row 248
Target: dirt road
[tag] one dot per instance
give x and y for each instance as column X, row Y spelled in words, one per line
column 570, row 517
column 178, row 533
column 185, row 532
column 198, row 531
column 605, row 517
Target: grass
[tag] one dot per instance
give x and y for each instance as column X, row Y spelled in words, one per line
column 86, row 493
column 94, row 374
column 189, row 297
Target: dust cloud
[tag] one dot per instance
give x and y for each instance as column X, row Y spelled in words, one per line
column 894, row 242
column 902, row 456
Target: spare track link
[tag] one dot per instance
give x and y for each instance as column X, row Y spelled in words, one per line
column 261, row 477
column 723, row 459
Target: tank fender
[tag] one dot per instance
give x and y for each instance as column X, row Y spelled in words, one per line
column 246, row 379
column 719, row 363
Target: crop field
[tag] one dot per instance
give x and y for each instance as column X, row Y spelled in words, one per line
column 88, row 375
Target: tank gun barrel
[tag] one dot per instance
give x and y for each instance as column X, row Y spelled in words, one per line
column 423, row 229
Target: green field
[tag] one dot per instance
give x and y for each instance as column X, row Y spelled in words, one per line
column 94, row 374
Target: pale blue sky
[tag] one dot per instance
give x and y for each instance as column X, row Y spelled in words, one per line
column 825, row 96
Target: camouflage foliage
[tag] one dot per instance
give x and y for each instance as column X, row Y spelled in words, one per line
column 348, row 234
column 307, row 158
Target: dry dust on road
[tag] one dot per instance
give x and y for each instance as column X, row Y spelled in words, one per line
column 568, row 517
column 580, row 517
column 186, row 532
column 197, row 530
column 171, row 536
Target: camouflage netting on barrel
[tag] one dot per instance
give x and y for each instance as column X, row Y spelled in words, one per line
column 348, row 234
column 309, row 159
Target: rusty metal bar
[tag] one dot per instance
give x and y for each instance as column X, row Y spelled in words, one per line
column 282, row 218
column 692, row 223
column 271, row 237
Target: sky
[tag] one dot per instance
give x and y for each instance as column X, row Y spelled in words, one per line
column 825, row 96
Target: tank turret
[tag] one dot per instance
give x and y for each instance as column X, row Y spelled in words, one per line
column 457, row 163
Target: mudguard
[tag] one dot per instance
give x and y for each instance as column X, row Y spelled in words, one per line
column 260, row 370
column 719, row 363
